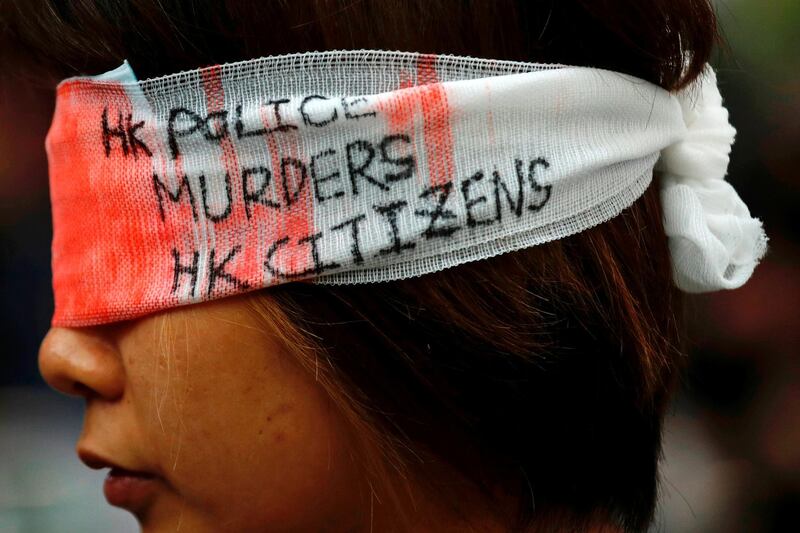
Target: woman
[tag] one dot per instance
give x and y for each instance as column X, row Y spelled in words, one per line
column 523, row 392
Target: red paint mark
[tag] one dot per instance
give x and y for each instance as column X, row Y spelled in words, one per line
column 298, row 221
column 215, row 103
column 406, row 80
column 428, row 98
column 247, row 264
column 436, row 123
column 104, row 243
column 426, row 69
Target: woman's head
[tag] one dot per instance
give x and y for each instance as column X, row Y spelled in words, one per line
column 529, row 387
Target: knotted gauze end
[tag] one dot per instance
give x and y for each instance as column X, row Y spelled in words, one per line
column 714, row 242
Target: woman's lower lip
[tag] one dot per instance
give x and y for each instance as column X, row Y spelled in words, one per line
column 129, row 490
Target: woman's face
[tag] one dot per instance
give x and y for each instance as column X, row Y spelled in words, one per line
column 222, row 431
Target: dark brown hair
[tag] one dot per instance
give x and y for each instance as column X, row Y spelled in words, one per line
column 545, row 371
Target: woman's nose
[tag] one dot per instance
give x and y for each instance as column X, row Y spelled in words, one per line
column 80, row 362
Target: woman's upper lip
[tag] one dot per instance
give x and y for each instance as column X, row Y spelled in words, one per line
column 97, row 461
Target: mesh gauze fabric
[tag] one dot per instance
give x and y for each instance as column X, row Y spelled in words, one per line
column 332, row 167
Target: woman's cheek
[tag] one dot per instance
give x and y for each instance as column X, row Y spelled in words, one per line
column 247, row 441
column 291, row 469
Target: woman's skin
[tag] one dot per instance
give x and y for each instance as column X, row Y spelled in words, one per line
column 239, row 437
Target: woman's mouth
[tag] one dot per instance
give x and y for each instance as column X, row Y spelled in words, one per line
column 128, row 489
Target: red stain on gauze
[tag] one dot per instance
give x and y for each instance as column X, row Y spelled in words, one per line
column 245, row 264
column 429, row 99
column 298, row 221
column 88, row 229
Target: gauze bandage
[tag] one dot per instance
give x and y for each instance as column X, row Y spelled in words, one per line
column 356, row 167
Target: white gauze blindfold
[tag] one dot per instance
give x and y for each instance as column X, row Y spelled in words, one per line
column 367, row 166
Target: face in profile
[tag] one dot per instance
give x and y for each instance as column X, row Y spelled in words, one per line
column 206, row 422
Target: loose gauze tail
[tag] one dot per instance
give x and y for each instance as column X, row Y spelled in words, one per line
column 714, row 242
column 368, row 166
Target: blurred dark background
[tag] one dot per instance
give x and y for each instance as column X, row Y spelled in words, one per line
column 732, row 453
